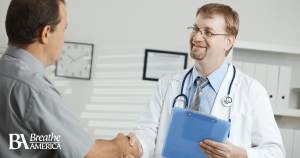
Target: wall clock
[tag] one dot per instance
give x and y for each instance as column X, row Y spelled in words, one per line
column 75, row 60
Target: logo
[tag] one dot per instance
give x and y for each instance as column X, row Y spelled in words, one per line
column 50, row 141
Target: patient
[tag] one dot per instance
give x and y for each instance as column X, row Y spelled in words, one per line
column 30, row 104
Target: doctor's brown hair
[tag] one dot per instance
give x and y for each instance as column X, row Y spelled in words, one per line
column 26, row 18
column 231, row 17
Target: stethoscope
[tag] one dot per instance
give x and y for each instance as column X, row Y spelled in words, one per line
column 227, row 100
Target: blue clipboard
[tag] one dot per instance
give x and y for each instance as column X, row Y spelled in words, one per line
column 187, row 129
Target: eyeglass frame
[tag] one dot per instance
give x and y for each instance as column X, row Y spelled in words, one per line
column 212, row 34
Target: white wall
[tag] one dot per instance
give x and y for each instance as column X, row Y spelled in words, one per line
column 127, row 28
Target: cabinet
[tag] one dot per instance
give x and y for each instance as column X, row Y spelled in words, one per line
column 259, row 53
column 285, row 58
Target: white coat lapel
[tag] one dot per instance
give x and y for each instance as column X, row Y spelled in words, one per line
column 219, row 110
column 176, row 85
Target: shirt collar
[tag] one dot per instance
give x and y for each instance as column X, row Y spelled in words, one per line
column 23, row 55
column 215, row 78
column 194, row 76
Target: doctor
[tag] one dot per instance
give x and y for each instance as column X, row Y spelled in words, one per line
column 254, row 132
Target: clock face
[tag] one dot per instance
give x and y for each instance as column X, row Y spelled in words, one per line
column 75, row 61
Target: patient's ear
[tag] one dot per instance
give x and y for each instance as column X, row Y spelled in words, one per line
column 44, row 34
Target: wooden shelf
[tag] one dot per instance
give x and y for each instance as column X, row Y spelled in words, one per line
column 286, row 112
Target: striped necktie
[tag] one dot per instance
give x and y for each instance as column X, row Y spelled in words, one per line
column 196, row 100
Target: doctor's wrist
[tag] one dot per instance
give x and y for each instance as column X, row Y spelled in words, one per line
column 240, row 153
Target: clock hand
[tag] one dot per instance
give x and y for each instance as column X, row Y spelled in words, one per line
column 77, row 58
column 71, row 58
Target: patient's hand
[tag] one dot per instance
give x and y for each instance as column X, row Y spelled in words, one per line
column 125, row 149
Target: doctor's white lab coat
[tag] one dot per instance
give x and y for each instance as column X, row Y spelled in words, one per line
column 253, row 126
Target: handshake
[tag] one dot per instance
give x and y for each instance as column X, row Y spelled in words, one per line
column 120, row 147
column 129, row 145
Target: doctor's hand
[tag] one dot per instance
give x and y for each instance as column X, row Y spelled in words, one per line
column 122, row 142
column 219, row 150
column 133, row 140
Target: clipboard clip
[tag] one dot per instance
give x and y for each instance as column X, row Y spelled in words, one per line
column 201, row 113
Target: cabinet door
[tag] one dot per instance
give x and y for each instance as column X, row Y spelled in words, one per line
column 272, row 83
column 296, row 151
column 260, row 73
column 284, row 86
column 249, row 68
column 238, row 65
column 288, row 142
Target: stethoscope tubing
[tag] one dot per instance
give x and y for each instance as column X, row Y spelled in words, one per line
column 186, row 100
column 232, row 80
column 234, row 71
column 181, row 92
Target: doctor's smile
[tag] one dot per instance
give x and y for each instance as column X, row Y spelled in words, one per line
column 199, row 46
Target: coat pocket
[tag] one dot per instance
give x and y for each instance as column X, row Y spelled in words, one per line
column 240, row 131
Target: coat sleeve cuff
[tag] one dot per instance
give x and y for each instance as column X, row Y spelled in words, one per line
column 143, row 143
column 252, row 153
column 145, row 151
column 146, row 145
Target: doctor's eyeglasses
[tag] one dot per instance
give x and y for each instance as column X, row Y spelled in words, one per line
column 204, row 33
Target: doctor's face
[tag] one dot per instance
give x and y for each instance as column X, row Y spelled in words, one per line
column 211, row 48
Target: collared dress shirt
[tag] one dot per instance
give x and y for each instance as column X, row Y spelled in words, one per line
column 30, row 104
column 210, row 90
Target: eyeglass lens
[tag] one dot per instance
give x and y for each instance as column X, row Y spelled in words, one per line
column 193, row 31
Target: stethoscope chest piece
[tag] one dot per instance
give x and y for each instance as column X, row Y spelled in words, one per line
column 227, row 100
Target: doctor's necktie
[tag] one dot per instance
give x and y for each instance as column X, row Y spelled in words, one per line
column 196, row 100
